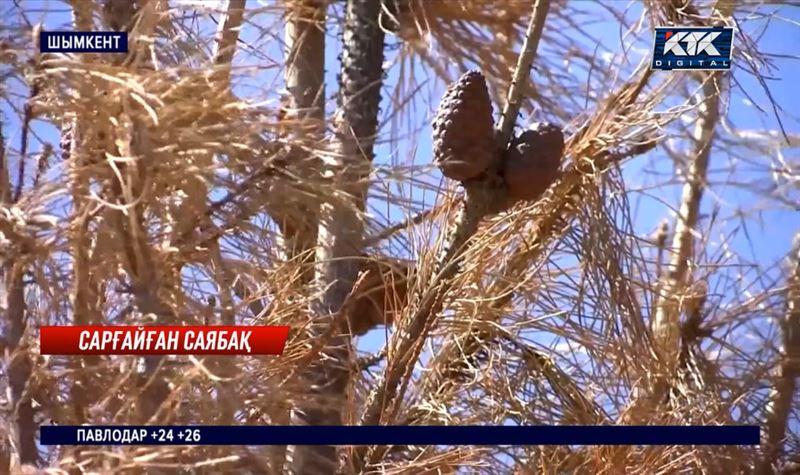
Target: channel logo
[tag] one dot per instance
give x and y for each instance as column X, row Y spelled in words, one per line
column 695, row 48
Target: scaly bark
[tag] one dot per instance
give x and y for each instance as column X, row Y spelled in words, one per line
column 341, row 228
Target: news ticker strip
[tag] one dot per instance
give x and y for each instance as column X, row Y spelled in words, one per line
column 163, row 340
column 400, row 435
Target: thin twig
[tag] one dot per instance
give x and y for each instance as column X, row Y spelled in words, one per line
column 521, row 78
column 395, row 228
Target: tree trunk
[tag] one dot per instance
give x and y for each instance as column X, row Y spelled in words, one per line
column 19, row 367
column 84, row 293
column 341, row 227
column 304, row 51
column 305, row 109
column 13, row 301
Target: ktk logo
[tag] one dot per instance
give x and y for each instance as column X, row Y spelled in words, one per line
column 696, row 43
column 698, row 48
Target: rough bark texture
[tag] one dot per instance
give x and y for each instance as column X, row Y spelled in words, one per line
column 341, row 228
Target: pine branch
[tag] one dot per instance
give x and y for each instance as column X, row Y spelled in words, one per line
column 482, row 196
column 558, row 209
column 666, row 324
column 519, row 83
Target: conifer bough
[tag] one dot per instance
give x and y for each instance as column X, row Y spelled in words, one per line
column 466, row 149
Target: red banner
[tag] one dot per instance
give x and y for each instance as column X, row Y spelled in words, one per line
column 163, row 340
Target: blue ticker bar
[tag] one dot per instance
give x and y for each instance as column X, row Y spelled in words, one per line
column 400, row 435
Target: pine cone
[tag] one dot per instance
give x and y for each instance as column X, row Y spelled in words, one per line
column 532, row 161
column 463, row 134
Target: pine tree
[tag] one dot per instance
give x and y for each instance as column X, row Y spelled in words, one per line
column 451, row 203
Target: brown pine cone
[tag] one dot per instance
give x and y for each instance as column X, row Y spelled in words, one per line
column 463, row 134
column 532, row 161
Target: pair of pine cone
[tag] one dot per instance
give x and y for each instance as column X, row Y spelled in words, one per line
column 464, row 143
column 464, row 149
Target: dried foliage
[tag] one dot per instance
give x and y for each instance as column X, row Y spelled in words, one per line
column 206, row 178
